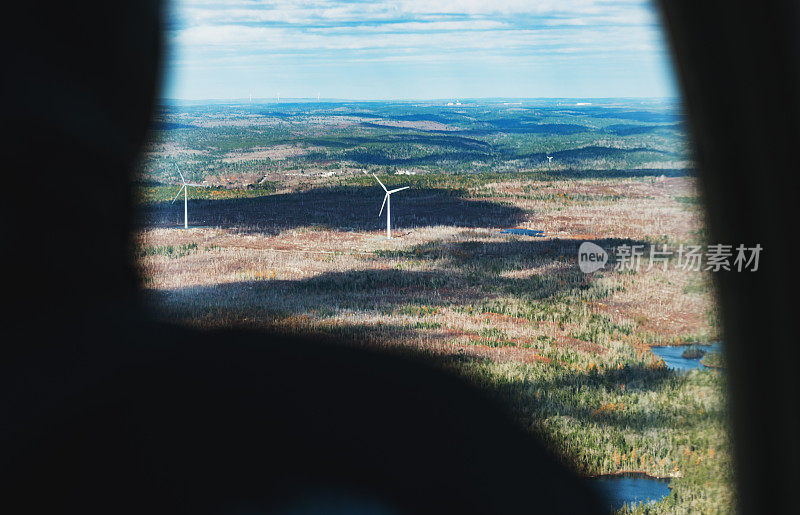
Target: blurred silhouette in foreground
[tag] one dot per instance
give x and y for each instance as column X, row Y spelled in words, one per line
column 105, row 411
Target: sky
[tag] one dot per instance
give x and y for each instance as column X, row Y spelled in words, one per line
column 415, row 49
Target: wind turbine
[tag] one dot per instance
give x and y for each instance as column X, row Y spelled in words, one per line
column 387, row 201
column 185, row 197
column 549, row 159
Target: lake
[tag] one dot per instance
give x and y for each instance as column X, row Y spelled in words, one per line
column 524, row 232
column 671, row 354
column 622, row 489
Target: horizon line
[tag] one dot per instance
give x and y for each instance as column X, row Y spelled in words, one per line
column 273, row 100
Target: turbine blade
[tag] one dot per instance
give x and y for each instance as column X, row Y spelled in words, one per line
column 379, row 182
column 399, row 189
column 384, row 203
column 178, row 194
column 179, row 172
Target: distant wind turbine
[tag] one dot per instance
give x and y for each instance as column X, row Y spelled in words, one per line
column 387, row 201
column 549, row 159
column 185, row 197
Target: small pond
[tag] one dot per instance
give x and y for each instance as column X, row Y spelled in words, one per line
column 673, row 355
column 619, row 490
column 524, row 232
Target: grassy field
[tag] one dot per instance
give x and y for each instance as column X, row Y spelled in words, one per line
column 567, row 353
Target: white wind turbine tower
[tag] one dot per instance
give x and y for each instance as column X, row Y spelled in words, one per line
column 387, row 201
column 185, row 197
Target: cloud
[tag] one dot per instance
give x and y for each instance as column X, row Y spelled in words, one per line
column 414, row 25
column 213, row 33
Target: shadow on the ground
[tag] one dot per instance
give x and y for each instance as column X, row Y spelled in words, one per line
column 440, row 140
column 560, row 129
column 575, row 156
column 464, row 150
column 460, row 274
column 625, row 173
column 340, row 208
column 366, row 157
column 624, row 129
column 464, row 274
